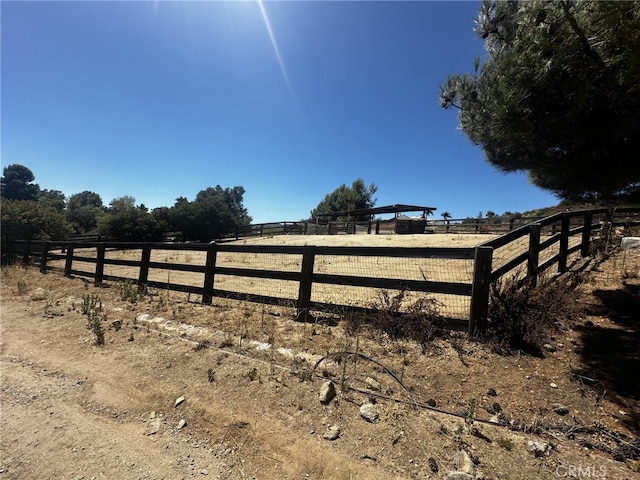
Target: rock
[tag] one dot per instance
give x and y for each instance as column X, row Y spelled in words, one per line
column 372, row 383
column 327, row 392
column 433, row 465
column 179, row 401
column 369, row 412
column 491, row 392
column 116, row 325
column 332, row 433
column 39, row 294
column 154, row 426
column 553, row 385
column 560, row 409
column 549, row 348
column 181, row 424
column 462, row 463
column 458, row 476
column 204, row 471
column 539, row 448
column 630, row 243
column 432, row 403
column 499, row 418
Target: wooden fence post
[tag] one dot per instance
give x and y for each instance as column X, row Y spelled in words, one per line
column 306, row 283
column 26, row 253
column 564, row 243
column 480, row 290
column 209, row 274
column 143, row 275
column 99, row 265
column 378, row 227
column 534, row 252
column 43, row 258
column 586, row 234
column 68, row 261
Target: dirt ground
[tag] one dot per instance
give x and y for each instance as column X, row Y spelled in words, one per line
column 251, row 379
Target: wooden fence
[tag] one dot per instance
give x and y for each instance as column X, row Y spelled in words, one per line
column 528, row 251
column 487, row 225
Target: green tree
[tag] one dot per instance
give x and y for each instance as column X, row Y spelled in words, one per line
column 122, row 204
column 17, row 183
column 125, row 221
column 29, row 220
column 558, row 94
column 53, row 200
column 84, row 209
column 344, row 198
column 214, row 212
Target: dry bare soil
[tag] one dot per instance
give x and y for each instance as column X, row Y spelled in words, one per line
column 251, row 377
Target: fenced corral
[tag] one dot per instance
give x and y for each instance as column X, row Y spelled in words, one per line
column 489, row 225
column 331, row 278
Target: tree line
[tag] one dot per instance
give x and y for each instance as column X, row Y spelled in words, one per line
column 29, row 212
column 32, row 213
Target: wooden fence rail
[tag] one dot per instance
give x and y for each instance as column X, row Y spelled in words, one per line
column 524, row 249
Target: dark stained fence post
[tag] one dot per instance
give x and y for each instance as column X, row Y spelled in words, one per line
column 26, row 253
column 378, row 227
column 306, row 283
column 480, row 290
column 143, row 275
column 99, row 265
column 68, row 261
column 534, row 252
column 564, row 243
column 586, row 234
column 209, row 274
column 43, row 258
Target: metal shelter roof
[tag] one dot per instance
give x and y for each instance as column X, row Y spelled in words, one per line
column 395, row 208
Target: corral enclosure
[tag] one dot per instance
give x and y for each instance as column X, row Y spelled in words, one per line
column 330, row 273
column 288, row 257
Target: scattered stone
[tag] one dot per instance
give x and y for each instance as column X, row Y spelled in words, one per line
column 327, row 392
column 560, row 409
column 462, row 411
column 372, row 383
column 462, row 462
column 553, row 385
column 491, row 392
column 549, row 348
column 458, row 476
column 499, row 418
column 154, row 426
column 332, row 433
column 369, row 412
column 433, row 465
column 630, row 243
column 182, row 423
column 116, row 325
column 204, row 471
column 432, row 403
column 39, row 294
column 179, row 401
column 539, row 448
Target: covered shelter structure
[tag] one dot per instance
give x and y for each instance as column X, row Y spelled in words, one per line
column 348, row 221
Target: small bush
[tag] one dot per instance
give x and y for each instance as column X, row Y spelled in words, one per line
column 400, row 318
column 523, row 315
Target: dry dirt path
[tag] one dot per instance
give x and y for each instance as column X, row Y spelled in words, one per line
column 64, row 417
column 72, row 410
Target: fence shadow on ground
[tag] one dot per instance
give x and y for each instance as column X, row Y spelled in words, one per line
column 611, row 355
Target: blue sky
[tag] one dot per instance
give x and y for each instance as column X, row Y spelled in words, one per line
column 159, row 100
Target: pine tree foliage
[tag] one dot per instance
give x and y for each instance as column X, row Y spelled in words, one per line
column 558, row 95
